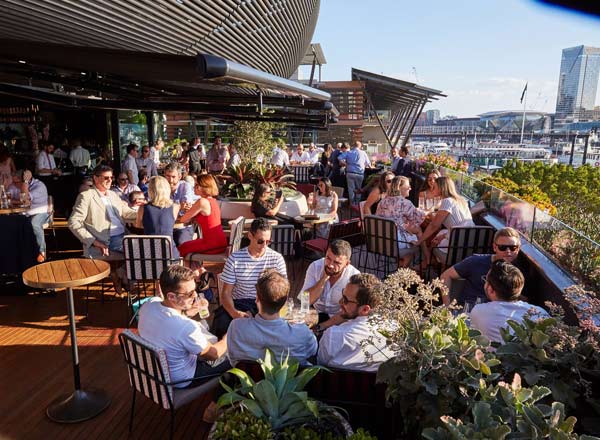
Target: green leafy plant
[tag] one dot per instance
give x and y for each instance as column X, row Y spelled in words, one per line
column 255, row 139
column 274, row 176
column 238, row 181
column 279, row 398
column 439, row 362
column 242, row 425
column 510, row 411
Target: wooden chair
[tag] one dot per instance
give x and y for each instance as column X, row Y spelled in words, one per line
column 283, row 240
column 50, row 223
column 146, row 256
column 381, row 235
column 149, row 374
column 464, row 242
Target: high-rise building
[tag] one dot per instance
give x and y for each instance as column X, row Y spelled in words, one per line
column 577, row 83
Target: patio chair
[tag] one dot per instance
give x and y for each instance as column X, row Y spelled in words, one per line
column 302, row 173
column 464, row 242
column 146, row 256
column 149, row 374
column 381, row 235
column 50, row 224
column 235, row 240
column 283, row 240
column 348, row 230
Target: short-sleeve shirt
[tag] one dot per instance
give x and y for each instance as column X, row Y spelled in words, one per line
column 490, row 317
column 242, row 271
column 472, row 269
column 329, row 301
column 459, row 215
column 356, row 161
column 182, row 338
column 129, row 164
column 248, row 339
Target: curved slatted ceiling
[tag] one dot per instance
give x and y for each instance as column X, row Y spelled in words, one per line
column 269, row 35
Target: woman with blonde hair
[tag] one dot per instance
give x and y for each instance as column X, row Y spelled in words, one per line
column 397, row 207
column 207, row 214
column 452, row 212
column 158, row 216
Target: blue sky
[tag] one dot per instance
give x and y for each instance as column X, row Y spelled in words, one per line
column 479, row 52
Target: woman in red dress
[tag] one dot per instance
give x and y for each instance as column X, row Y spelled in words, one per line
column 205, row 211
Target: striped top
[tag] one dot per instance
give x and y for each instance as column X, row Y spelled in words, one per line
column 243, row 271
column 459, row 215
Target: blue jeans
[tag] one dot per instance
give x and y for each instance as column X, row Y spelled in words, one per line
column 354, row 182
column 37, row 223
column 116, row 243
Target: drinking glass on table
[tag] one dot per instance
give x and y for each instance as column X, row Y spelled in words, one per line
column 24, row 199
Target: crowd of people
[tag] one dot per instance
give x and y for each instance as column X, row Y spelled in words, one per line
column 254, row 281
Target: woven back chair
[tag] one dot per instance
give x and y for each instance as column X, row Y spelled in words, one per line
column 283, row 240
column 301, row 173
column 381, row 235
column 464, row 242
column 149, row 374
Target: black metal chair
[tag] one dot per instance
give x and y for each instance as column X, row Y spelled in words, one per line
column 149, row 374
column 381, row 235
column 348, row 230
column 302, row 173
column 464, row 242
column 284, row 239
column 146, row 256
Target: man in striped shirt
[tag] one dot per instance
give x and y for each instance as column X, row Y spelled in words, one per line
column 241, row 272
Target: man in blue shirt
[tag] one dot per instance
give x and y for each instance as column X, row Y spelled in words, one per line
column 182, row 193
column 356, row 162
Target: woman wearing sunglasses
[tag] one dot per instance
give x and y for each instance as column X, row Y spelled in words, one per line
column 378, row 193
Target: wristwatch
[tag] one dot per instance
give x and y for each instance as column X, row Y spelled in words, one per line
column 319, row 329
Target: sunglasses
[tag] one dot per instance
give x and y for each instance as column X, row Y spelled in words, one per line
column 345, row 300
column 105, row 178
column 187, row 295
column 504, row 247
column 261, row 241
column 484, row 279
column 389, row 180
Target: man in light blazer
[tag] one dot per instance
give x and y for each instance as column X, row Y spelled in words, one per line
column 98, row 219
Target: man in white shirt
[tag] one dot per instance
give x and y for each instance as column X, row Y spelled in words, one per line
column 79, row 156
column 240, row 274
column 341, row 345
column 248, row 339
column 36, row 195
column 300, row 156
column 129, row 164
column 503, row 285
column 313, row 153
column 326, row 278
column 45, row 164
column 123, row 188
column 280, row 157
column 146, row 162
column 192, row 351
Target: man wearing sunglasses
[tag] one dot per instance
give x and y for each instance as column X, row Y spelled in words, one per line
column 192, row 351
column 503, row 285
column 341, row 344
column 507, row 243
column 240, row 274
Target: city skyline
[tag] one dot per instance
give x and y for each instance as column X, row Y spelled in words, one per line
column 481, row 64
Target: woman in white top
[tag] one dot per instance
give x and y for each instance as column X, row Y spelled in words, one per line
column 407, row 218
column 429, row 198
column 452, row 212
column 325, row 201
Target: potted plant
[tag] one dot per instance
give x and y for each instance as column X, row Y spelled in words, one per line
column 238, row 181
column 277, row 407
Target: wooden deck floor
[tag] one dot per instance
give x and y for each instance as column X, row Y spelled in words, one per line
column 35, row 368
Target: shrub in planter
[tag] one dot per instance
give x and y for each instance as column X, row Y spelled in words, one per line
column 280, row 403
column 439, row 363
column 510, row 411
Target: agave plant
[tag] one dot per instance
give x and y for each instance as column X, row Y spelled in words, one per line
column 278, row 398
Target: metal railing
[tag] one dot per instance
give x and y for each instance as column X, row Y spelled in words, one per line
column 574, row 252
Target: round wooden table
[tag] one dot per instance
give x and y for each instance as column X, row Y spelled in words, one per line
column 80, row 405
